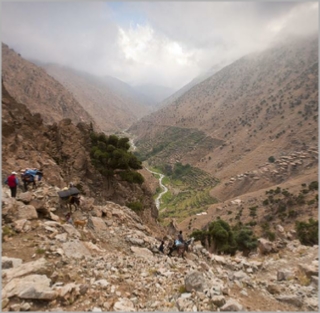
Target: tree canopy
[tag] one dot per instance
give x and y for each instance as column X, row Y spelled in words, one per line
column 110, row 153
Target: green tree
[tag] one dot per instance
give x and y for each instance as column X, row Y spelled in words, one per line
column 307, row 232
column 245, row 239
column 220, row 232
column 110, row 153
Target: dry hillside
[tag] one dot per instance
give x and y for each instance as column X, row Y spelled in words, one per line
column 113, row 104
column 31, row 85
column 265, row 104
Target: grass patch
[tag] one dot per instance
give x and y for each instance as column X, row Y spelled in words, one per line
column 40, row 251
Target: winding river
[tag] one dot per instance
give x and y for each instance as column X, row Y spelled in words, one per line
column 163, row 187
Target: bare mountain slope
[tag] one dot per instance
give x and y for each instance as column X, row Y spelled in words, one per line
column 265, row 104
column 113, row 104
column 31, row 85
column 195, row 81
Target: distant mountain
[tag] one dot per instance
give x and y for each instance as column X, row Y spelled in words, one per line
column 155, row 93
column 32, row 86
column 113, row 104
column 195, row 81
column 264, row 104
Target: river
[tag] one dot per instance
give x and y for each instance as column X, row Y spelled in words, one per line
column 163, row 187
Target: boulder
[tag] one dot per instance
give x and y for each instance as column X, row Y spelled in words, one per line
column 30, row 287
column 26, row 268
column 195, row 281
column 75, row 249
column 232, row 305
column 25, row 197
column 265, row 246
column 98, row 224
column 124, row 305
column 27, row 212
column 291, row 299
column 142, row 252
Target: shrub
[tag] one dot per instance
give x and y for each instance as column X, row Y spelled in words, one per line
column 132, row 177
column 135, row 206
column 292, row 213
column 271, row 159
column 246, row 241
column 307, row 232
column 313, row 185
column 270, row 235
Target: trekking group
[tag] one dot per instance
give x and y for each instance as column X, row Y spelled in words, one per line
column 28, row 176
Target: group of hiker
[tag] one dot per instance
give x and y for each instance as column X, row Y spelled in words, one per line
column 179, row 241
column 28, row 176
column 70, row 195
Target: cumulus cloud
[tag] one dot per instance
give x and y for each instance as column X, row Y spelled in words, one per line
column 164, row 43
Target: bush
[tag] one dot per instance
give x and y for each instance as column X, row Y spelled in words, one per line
column 135, row 206
column 307, row 232
column 313, row 185
column 246, row 241
column 270, row 235
column 271, row 159
column 132, row 177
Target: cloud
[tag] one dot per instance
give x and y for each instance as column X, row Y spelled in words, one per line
column 165, row 43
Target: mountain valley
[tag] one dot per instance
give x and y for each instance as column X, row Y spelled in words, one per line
column 238, row 149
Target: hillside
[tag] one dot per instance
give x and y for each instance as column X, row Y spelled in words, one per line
column 113, row 104
column 263, row 105
column 31, row 85
column 62, row 150
column 195, row 81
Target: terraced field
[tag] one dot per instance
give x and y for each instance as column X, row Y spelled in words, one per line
column 188, row 194
column 174, row 144
column 188, row 186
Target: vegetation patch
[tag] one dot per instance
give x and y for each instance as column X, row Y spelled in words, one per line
column 110, row 155
column 223, row 238
column 308, row 232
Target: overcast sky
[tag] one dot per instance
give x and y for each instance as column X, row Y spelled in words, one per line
column 163, row 43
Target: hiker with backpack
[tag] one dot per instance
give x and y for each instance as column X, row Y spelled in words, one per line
column 180, row 240
column 12, row 182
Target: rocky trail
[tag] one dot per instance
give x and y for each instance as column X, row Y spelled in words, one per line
column 113, row 264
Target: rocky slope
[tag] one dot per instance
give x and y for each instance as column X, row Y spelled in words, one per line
column 62, row 151
column 31, row 85
column 112, row 264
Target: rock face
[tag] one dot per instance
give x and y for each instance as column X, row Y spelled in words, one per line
column 114, row 265
column 62, row 151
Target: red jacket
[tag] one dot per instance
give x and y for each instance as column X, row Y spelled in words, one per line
column 12, row 181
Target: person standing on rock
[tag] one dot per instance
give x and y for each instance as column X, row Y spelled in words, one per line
column 12, row 182
column 180, row 237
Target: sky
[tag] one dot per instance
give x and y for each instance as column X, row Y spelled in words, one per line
column 163, row 43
